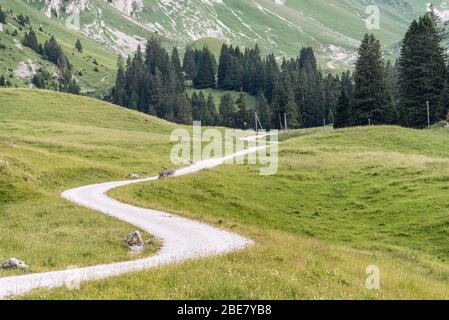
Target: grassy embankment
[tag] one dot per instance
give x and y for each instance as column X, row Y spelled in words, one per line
column 341, row 201
column 51, row 142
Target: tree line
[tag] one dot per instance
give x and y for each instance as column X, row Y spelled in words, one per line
column 154, row 81
column 52, row 52
column 412, row 93
column 292, row 93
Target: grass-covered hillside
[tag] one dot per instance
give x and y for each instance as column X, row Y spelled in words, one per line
column 332, row 27
column 341, row 201
column 50, row 142
column 94, row 68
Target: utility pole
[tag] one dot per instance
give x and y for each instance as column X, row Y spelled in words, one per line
column 285, row 122
column 324, row 124
column 428, row 114
column 255, row 122
column 258, row 123
column 369, row 122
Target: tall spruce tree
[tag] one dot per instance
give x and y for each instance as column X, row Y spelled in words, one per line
column 205, row 76
column 189, row 64
column 184, row 112
column 224, row 63
column 119, row 91
column 156, row 94
column 370, row 101
column 212, row 116
column 242, row 115
column 271, row 76
column 52, row 50
column 442, row 110
column 346, row 83
column 177, row 70
column 263, row 111
column 196, row 108
column 422, row 72
column 227, row 110
column 284, row 106
column 30, row 41
column 343, row 116
column 2, row 15
column 199, row 107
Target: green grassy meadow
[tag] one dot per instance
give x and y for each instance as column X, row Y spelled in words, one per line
column 50, row 142
column 342, row 201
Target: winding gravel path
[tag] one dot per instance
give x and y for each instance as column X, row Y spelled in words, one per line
column 182, row 238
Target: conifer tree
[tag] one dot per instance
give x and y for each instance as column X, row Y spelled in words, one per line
column 78, row 46
column 189, row 64
column 422, row 71
column 284, row 105
column 223, row 68
column 30, row 41
column 119, row 96
column 227, row 111
column 134, row 100
column 242, row 115
column 199, row 107
column 442, row 110
column 343, row 115
column 23, row 21
column 202, row 106
column 205, row 76
column 370, row 103
column 156, row 94
column 263, row 111
column 184, row 114
column 52, row 50
column 2, row 15
column 291, row 112
column 177, row 70
column 346, row 83
column 271, row 76
column 196, row 112
column 212, row 117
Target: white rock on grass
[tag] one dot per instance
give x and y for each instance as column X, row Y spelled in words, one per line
column 14, row 263
column 134, row 176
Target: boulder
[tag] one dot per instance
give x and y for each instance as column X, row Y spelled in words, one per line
column 134, row 240
column 134, row 176
column 14, row 263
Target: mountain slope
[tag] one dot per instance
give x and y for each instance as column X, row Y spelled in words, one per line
column 111, row 27
column 94, row 68
column 332, row 27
